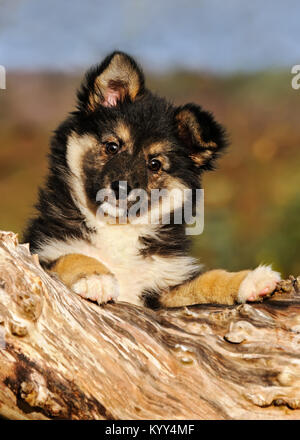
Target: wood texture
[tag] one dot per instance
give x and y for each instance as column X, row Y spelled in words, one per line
column 64, row 357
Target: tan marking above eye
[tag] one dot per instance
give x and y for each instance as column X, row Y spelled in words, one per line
column 122, row 131
column 106, row 139
column 161, row 147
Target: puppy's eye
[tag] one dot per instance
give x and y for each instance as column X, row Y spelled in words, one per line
column 112, row 148
column 154, row 165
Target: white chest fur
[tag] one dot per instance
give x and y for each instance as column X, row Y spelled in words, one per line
column 118, row 247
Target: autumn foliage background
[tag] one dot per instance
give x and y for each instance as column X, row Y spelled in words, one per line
column 252, row 201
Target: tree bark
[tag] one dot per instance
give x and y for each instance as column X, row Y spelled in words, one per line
column 64, row 357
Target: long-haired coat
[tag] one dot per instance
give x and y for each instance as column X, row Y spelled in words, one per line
column 122, row 133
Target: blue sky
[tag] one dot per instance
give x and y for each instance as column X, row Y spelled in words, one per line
column 214, row 35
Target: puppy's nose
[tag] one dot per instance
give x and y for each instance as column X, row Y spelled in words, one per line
column 120, row 188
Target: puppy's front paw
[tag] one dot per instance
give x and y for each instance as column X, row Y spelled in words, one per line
column 258, row 283
column 100, row 288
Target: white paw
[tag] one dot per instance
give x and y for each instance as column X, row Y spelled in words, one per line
column 100, row 288
column 258, row 283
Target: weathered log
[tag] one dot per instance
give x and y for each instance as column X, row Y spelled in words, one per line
column 64, row 357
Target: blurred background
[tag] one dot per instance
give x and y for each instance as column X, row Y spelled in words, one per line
column 234, row 58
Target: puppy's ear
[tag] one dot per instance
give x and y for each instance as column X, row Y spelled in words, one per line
column 117, row 78
column 201, row 134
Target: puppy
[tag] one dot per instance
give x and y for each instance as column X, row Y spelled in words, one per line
column 123, row 138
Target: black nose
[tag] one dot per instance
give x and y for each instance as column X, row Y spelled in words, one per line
column 121, row 189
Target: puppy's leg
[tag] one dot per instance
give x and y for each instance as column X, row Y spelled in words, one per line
column 221, row 287
column 87, row 277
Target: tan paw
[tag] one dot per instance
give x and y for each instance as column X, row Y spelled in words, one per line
column 258, row 283
column 100, row 288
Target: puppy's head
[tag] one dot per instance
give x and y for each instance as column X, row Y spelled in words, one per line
column 121, row 132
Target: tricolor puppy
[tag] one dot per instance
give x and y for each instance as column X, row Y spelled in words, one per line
column 123, row 138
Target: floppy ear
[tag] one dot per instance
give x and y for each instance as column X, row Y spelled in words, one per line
column 117, row 78
column 201, row 134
